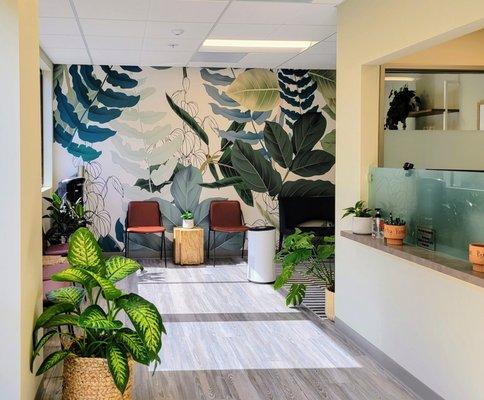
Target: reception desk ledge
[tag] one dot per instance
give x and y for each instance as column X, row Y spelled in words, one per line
column 442, row 263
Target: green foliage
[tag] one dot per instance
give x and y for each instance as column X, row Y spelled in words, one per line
column 394, row 221
column 358, row 210
column 98, row 330
column 187, row 215
column 300, row 248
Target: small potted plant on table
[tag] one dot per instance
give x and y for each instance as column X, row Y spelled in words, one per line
column 97, row 348
column 362, row 219
column 300, row 248
column 187, row 220
column 394, row 231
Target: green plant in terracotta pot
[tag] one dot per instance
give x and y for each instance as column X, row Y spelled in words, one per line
column 394, row 231
column 94, row 342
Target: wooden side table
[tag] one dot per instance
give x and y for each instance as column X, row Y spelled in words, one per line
column 188, row 246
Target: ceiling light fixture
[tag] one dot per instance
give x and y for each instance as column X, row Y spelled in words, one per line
column 268, row 44
column 400, row 79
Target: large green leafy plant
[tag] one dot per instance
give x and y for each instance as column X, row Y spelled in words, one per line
column 92, row 328
column 300, row 248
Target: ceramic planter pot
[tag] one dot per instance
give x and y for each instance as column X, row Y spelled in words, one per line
column 476, row 256
column 394, row 234
column 329, row 304
column 362, row 225
column 89, row 378
column 188, row 223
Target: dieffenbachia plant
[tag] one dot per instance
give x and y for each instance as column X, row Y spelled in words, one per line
column 92, row 328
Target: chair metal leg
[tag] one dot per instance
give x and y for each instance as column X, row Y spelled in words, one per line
column 208, row 245
column 164, row 246
column 214, row 246
column 126, row 246
column 281, row 237
column 243, row 245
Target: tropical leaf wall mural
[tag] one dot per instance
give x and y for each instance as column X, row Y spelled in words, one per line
column 185, row 136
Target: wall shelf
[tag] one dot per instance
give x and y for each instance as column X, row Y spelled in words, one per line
column 431, row 111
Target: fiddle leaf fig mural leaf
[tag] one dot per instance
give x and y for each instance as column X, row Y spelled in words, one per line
column 171, row 214
column 278, row 143
column 224, row 182
column 189, row 120
column 314, row 162
column 307, row 131
column 186, row 188
column 255, row 89
column 255, row 170
column 328, row 142
column 326, row 81
column 307, row 188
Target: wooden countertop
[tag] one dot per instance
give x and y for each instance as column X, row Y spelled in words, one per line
column 440, row 262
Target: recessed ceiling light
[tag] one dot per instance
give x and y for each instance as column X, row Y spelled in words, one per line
column 261, row 44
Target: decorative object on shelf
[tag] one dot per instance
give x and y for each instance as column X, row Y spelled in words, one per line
column 426, row 238
column 476, row 256
column 65, row 217
column 188, row 246
column 317, row 260
column 395, row 231
column 97, row 348
column 403, row 102
column 377, row 225
column 362, row 220
column 187, row 220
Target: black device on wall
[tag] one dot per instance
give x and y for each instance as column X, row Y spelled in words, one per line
column 71, row 189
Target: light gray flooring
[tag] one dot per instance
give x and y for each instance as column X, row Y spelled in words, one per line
column 232, row 339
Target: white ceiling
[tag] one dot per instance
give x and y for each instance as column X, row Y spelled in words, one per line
column 140, row 32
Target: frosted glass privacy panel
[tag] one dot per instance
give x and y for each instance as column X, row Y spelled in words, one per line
column 449, row 202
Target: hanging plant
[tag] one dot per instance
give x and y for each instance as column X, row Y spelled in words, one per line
column 402, row 102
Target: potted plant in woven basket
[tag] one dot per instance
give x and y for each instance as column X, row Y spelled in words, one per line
column 301, row 248
column 97, row 348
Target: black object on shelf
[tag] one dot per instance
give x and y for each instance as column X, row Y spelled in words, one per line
column 71, row 189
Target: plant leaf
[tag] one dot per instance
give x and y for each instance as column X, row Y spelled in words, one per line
column 76, row 275
column 257, row 173
column 133, row 343
column 277, row 142
column 51, row 360
column 296, row 294
column 170, row 214
column 307, row 131
column 255, row 89
column 72, row 295
column 224, row 182
column 189, row 120
column 38, row 346
column 145, row 318
column 326, row 81
column 314, row 162
column 115, row 78
column 51, row 312
column 118, row 365
column 110, row 292
column 110, row 98
column 186, row 188
column 307, row 188
column 62, row 319
column 94, row 317
column 84, row 251
column 328, row 142
column 118, row 268
column 284, row 276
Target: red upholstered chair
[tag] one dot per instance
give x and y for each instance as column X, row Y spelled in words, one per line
column 144, row 217
column 225, row 216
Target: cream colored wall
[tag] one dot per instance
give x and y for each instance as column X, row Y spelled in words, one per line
column 20, row 204
column 373, row 296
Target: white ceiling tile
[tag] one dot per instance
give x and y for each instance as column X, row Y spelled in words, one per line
column 68, row 56
column 217, row 64
column 314, row 14
column 165, row 45
column 264, row 60
column 260, row 12
column 55, row 8
column 320, row 61
column 58, row 26
column 243, row 31
column 115, row 57
column 113, row 9
column 302, row 32
column 164, row 58
column 114, row 43
column 62, row 41
column 322, row 48
column 187, row 11
column 191, row 30
column 332, row 38
column 105, row 27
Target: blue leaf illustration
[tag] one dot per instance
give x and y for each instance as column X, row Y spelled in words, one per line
column 231, row 114
column 110, row 98
column 94, row 133
column 220, row 98
column 61, row 136
column 82, row 93
column 85, row 152
column 260, row 117
column 216, row 78
column 87, row 73
column 119, row 79
column 131, row 68
column 119, row 230
column 103, row 114
column 248, row 137
column 66, row 110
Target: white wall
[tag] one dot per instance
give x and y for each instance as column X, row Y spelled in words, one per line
column 430, row 324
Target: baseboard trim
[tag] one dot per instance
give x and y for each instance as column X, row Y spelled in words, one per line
column 400, row 373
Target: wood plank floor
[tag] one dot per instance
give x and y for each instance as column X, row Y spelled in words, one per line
column 232, row 339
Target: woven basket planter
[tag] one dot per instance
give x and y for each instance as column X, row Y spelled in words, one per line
column 89, row 379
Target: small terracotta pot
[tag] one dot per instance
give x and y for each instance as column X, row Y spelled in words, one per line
column 476, row 256
column 394, row 234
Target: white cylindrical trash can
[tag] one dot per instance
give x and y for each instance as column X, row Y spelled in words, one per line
column 261, row 252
